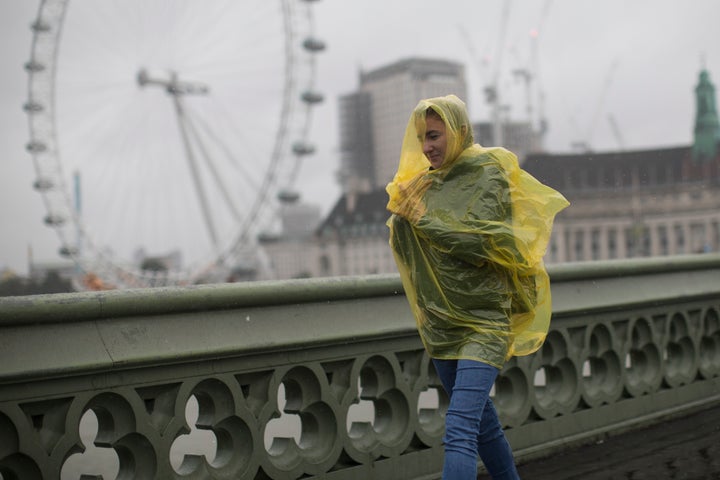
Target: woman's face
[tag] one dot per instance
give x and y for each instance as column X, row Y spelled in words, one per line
column 435, row 142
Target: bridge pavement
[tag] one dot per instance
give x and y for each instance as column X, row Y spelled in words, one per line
column 686, row 448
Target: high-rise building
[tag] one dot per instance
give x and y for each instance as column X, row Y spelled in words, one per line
column 373, row 119
column 521, row 138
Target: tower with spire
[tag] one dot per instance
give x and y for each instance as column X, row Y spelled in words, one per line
column 707, row 127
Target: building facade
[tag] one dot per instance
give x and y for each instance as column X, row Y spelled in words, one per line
column 353, row 238
column 639, row 204
column 293, row 253
column 632, row 204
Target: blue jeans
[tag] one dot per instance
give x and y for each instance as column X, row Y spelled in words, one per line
column 472, row 427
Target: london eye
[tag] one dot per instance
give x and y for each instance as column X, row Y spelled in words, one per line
column 165, row 133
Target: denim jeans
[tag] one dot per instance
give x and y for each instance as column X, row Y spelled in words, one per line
column 472, row 427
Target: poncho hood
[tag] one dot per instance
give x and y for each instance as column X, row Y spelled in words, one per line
column 468, row 239
column 459, row 132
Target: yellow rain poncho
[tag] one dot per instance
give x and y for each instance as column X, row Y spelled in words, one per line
column 468, row 239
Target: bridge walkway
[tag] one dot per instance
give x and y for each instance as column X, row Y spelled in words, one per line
column 686, row 448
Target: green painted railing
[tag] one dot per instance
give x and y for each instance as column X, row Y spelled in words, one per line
column 326, row 378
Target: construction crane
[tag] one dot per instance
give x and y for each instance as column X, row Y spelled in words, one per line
column 526, row 76
column 491, row 89
column 535, row 67
column 586, row 142
column 526, row 71
column 616, row 132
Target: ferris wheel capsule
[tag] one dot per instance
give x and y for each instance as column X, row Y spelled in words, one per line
column 67, row 251
column 33, row 66
column 303, row 148
column 312, row 97
column 40, row 27
column 54, row 220
column 43, row 184
column 33, row 107
column 36, row 146
column 313, row 44
column 288, row 196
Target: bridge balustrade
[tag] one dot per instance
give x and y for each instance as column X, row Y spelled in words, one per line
column 327, row 378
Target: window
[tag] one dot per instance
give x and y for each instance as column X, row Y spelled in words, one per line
column 612, row 243
column 630, row 242
column 324, row 265
column 644, row 233
column 553, row 249
column 697, row 238
column 679, row 239
column 579, row 245
column 663, row 240
column 567, row 244
column 595, row 243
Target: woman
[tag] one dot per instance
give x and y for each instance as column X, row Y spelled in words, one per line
column 468, row 231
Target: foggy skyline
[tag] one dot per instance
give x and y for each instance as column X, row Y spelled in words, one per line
column 635, row 61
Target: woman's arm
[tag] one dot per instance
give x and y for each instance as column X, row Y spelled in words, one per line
column 470, row 217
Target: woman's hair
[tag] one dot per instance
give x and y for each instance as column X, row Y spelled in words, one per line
column 413, row 161
column 451, row 110
column 430, row 112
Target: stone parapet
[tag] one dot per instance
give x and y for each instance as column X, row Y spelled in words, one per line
column 327, row 378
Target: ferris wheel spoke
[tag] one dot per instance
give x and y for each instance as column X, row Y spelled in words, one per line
column 227, row 152
column 195, row 174
column 229, row 203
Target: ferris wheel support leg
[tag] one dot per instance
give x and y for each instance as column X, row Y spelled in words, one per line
column 207, row 215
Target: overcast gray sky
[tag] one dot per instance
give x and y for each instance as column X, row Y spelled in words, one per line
column 634, row 60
